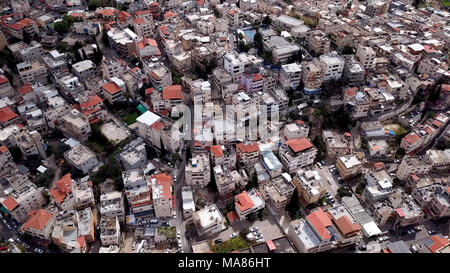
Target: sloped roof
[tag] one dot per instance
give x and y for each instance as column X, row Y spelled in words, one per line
column 38, row 219
column 244, row 201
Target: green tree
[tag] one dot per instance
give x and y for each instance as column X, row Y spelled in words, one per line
column 94, row 4
column 293, row 207
column 342, row 191
column 257, row 39
column 267, row 20
column 105, row 39
column 62, row 27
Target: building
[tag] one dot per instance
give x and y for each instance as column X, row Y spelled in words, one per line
column 110, row 233
column 162, row 195
column 433, row 198
column 312, row 77
column 209, row 220
column 287, row 22
column 248, row 153
column 223, row 155
column 271, row 163
column 19, row 203
column 40, row 223
column 282, row 50
column 348, row 227
column 332, row 66
column 252, row 82
column 277, row 193
column 138, row 191
column 348, row 166
column 32, row 52
column 32, row 72
column 318, row 42
column 188, row 202
column 315, row 233
column 290, row 76
column 81, row 158
column 76, row 125
column 247, row 203
column 337, row 144
column 411, row 142
column 112, row 205
column 84, row 70
column 226, row 180
column 134, row 155
column 113, row 91
column 198, row 170
column 412, row 165
column 366, row 56
column 309, row 186
column 297, row 153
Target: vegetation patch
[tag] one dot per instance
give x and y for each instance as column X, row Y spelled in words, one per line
column 232, row 244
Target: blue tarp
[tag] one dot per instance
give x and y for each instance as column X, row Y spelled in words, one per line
column 391, row 132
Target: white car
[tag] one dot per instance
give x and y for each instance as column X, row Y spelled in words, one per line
column 38, row 250
column 178, row 234
column 233, row 235
column 260, row 240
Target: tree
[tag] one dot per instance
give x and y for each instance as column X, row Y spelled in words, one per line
column 267, row 20
column 217, row 13
column 94, row 4
column 188, row 153
column 253, row 183
column 342, row 191
column 105, row 39
column 16, row 153
column 293, row 207
column 348, row 50
column 257, row 39
column 62, row 27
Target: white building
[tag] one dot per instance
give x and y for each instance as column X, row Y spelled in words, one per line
column 81, row 158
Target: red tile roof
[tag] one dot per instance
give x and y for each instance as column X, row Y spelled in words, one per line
column 157, row 125
column 412, row 138
column 38, row 219
column 62, row 189
column 6, row 114
column 232, row 216
column 111, row 87
column 217, row 150
column 169, row 14
column 320, row 221
column 172, row 92
column 25, row 89
column 149, row 91
column 93, row 100
column 3, row 79
column 244, row 201
column 10, row 203
column 299, row 144
column 438, row 242
column 346, row 226
column 247, row 148
column 3, row 149
column 166, row 182
column 257, row 77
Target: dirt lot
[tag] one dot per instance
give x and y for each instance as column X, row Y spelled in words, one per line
column 113, row 132
column 128, row 238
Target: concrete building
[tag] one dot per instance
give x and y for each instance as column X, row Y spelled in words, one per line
column 112, row 205
column 188, row 202
column 297, row 153
column 32, row 72
column 337, row 144
column 348, row 166
column 76, row 125
column 332, row 66
column 198, row 170
column 309, row 185
column 20, row 202
column 248, row 153
column 318, row 42
column 312, row 76
column 81, row 158
column 271, row 163
column 248, row 202
column 412, row 165
column 290, row 75
column 84, row 70
column 277, row 193
column 223, row 155
column 366, row 56
column 209, row 220
column 110, row 233
column 139, row 194
column 162, row 195
column 40, row 223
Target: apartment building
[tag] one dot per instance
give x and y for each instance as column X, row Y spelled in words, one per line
column 348, row 166
column 223, row 155
column 92, row 107
column 287, row 22
column 6, row 89
column 76, row 125
column 56, row 63
column 112, row 91
column 148, row 48
column 290, row 75
column 316, row 233
column 282, row 50
column 318, row 42
column 113, row 68
column 226, row 180
column 124, row 41
column 278, row 192
column 143, row 27
column 412, row 165
column 134, row 155
column 112, row 205
column 379, row 186
column 347, row 226
column 198, row 170
column 337, row 144
column 40, row 223
column 235, row 17
column 87, row 28
column 209, row 220
column 252, row 82
column 188, row 202
column 20, row 202
column 357, row 103
column 110, row 233
column 30, row 143
column 309, row 185
column 248, row 153
column 411, row 142
column 32, row 72
column 271, row 163
column 312, row 76
column 354, row 73
column 332, row 66
column 435, row 198
column 32, row 52
column 138, row 191
column 165, row 98
column 366, row 56
column 248, row 202
column 297, row 153
column 162, row 195
column 81, row 158
column 84, row 70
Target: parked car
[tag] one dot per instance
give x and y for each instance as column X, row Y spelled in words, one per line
column 178, row 234
column 233, row 235
column 166, row 224
column 260, row 240
column 218, row 241
column 319, row 165
column 418, row 228
column 415, row 248
column 322, row 162
column 154, row 221
column 431, row 232
column 38, row 250
column 411, row 231
column 133, row 246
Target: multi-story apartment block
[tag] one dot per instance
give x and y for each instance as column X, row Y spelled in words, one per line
column 198, row 171
column 84, row 70
column 290, row 75
column 412, row 165
column 209, row 220
column 337, row 144
column 309, row 185
column 318, row 42
column 40, row 223
column 332, row 66
column 366, row 56
column 76, row 125
column 110, row 231
column 297, row 153
column 81, row 158
column 312, row 76
column 223, row 155
column 19, row 203
column 112, row 205
column 32, row 72
column 162, row 195
column 248, row 202
column 348, row 166
column 248, row 153
column 138, row 191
